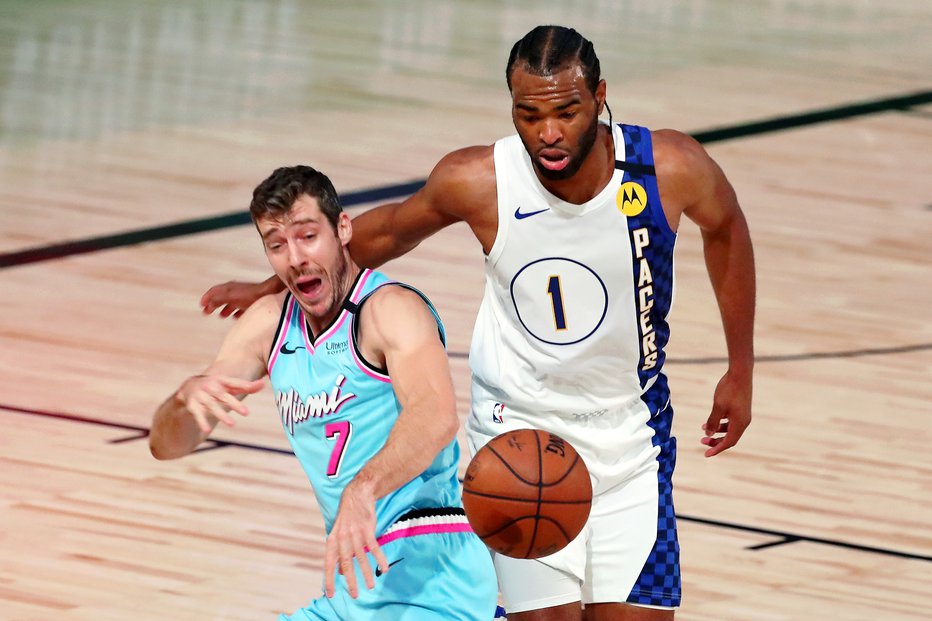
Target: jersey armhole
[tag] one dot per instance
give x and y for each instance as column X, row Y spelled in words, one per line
column 280, row 332
column 654, row 204
column 499, row 154
column 356, row 314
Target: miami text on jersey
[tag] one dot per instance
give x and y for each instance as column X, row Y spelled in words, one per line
column 294, row 410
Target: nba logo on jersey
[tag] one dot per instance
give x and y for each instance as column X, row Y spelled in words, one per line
column 497, row 411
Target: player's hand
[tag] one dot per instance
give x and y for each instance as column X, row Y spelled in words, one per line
column 731, row 414
column 352, row 533
column 232, row 298
column 216, row 395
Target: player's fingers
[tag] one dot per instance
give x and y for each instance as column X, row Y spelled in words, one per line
column 346, row 564
column 200, row 415
column 232, row 403
column 237, row 386
column 238, row 314
column 365, row 567
column 208, row 302
column 717, row 445
column 330, row 566
column 227, row 310
column 379, row 555
column 219, row 412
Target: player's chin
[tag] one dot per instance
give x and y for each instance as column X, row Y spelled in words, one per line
column 559, row 174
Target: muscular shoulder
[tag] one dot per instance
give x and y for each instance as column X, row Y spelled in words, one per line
column 685, row 172
column 394, row 319
column 690, row 181
column 245, row 349
column 464, row 180
column 678, row 158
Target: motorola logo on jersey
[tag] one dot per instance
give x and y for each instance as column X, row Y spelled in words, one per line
column 294, row 410
column 631, row 198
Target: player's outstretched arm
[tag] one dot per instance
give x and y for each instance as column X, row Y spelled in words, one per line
column 234, row 297
column 461, row 187
column 189, row 415
column 397, row 331
column 709, row 200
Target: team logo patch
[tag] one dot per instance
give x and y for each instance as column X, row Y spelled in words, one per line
column 631, row 198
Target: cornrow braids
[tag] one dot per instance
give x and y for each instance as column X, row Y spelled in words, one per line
column 548, row 49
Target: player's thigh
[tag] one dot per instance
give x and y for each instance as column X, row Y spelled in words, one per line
column 626, row 612
column 566, row 612
column 442, row 577
column 622, row 533
column 530, row 585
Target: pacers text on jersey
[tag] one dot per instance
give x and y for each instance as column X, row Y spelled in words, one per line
column 645, row 300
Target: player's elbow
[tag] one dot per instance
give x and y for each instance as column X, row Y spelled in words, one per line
column 449, row 427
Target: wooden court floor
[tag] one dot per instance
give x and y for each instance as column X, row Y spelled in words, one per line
column 131, row 136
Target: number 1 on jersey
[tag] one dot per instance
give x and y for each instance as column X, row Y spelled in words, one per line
column 556, row 301
column 341, row 432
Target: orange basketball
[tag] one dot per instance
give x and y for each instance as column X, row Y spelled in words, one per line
column 527, row 493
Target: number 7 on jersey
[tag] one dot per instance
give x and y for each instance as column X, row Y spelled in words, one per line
column 339, row 431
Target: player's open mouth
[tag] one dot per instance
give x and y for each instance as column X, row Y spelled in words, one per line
column 309, row 285
column 552, row 159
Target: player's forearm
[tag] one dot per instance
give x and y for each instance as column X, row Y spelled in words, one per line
column 375, row 240
column 272, row 285
column 415, row 441
column 729, row 258
column 174, row 431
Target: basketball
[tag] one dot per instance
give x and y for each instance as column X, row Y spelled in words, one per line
column 527, row 493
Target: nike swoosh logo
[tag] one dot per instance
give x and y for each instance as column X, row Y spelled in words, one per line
column 284, row 349
column 378, row 570
column 528, row 214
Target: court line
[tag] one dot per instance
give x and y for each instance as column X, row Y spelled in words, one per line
column 782, row 538
column 180, row 229
column 385, row 193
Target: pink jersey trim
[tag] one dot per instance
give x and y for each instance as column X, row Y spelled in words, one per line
column 281, row 336
column 427, row 529
column 354, row 297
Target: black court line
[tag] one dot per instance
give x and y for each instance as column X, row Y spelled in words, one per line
column 815, row 117
column 781, row 538
column 202, row 225
column 785, row 538
column 819, row 355
column 180, row 229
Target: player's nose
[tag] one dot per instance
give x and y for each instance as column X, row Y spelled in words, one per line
column 550, row 133
column 296, row 258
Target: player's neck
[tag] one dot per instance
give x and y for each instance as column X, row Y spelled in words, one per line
column 592, row 177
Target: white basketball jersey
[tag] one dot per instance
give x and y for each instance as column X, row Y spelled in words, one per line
column 573, row 319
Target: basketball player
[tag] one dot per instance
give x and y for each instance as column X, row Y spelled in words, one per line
column 578, row 219
column 363, row 387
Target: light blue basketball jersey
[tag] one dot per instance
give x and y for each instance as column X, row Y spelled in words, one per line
column 338, row 410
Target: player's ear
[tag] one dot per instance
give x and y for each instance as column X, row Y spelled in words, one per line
column 600, row 96
column 344, row 228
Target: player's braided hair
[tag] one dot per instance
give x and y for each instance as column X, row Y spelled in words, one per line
column 549, row 49
column 276, row 195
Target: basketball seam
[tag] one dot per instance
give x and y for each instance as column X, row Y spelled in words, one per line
column 540, row 494
column 507, row 465
column 544, row 501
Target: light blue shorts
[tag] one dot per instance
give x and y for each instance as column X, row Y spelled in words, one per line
column 440, row 571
